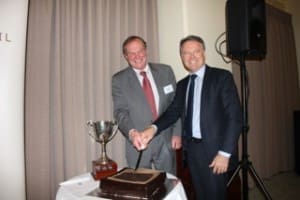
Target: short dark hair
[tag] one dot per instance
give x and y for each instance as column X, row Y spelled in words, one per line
column 130, row 39
column 192, row 38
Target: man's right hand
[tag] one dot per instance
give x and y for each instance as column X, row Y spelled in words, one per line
column 140, row 140
column 147, row 135
column 136, row 139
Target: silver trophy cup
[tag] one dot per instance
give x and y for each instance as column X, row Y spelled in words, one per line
column 103, row 132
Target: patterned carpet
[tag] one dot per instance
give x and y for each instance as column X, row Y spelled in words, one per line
column 284, row 186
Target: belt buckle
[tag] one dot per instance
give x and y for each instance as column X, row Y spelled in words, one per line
column 196, row 140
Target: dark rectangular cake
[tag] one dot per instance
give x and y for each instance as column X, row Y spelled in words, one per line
column 134, row 184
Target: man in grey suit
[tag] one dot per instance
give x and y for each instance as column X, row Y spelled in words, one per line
column 133, row 112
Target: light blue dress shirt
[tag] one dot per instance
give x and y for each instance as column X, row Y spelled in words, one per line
column 197, row 105
column 197, row 102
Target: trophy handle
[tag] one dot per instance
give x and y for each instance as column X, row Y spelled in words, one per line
column 92, row 130
column 115, row 130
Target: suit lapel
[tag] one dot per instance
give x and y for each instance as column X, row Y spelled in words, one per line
column 205, row 86
column 135, row 86
column 157, row 76
column 183, row 92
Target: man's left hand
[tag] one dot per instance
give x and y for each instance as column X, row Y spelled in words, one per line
column 219, row 164
column 176, row 142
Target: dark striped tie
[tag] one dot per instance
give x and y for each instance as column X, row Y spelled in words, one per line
column 190, row 105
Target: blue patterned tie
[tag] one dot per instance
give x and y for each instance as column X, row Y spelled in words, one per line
column 190, row 105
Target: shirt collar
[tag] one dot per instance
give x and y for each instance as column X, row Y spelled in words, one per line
column 146, row 69
column 200, row 72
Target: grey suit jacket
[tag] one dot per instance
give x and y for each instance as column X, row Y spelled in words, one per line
column 130, row 106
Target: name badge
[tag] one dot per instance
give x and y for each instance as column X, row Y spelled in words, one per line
column 168, row 89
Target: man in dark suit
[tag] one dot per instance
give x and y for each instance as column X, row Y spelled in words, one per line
column 212, row 126
column 133, row 111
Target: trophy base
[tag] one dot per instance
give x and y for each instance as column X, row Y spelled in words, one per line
column 104, row 169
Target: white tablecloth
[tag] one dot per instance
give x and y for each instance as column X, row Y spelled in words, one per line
column 78, row 187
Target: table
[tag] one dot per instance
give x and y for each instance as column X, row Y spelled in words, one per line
column 79, row 187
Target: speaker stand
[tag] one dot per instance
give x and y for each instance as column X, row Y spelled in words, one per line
column 245, row 165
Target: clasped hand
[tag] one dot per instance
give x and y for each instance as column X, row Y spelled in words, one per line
column 140, row 140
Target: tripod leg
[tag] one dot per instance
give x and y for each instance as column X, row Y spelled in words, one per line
column 245, row 181
column 259, row 182
column 236, row 172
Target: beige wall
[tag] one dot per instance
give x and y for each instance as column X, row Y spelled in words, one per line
column 171, row 30
column 13, row 15
column 178, row 18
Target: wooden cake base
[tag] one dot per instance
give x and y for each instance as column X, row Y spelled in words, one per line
column 134, row 184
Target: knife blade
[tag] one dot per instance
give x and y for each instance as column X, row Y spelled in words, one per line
column 138, row 160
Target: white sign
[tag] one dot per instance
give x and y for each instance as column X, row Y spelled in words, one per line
column 13, row 22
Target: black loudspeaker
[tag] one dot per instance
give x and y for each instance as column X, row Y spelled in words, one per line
column 246, row 29
column 297, row 140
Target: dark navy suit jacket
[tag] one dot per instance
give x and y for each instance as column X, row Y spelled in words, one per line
column 221, row 114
